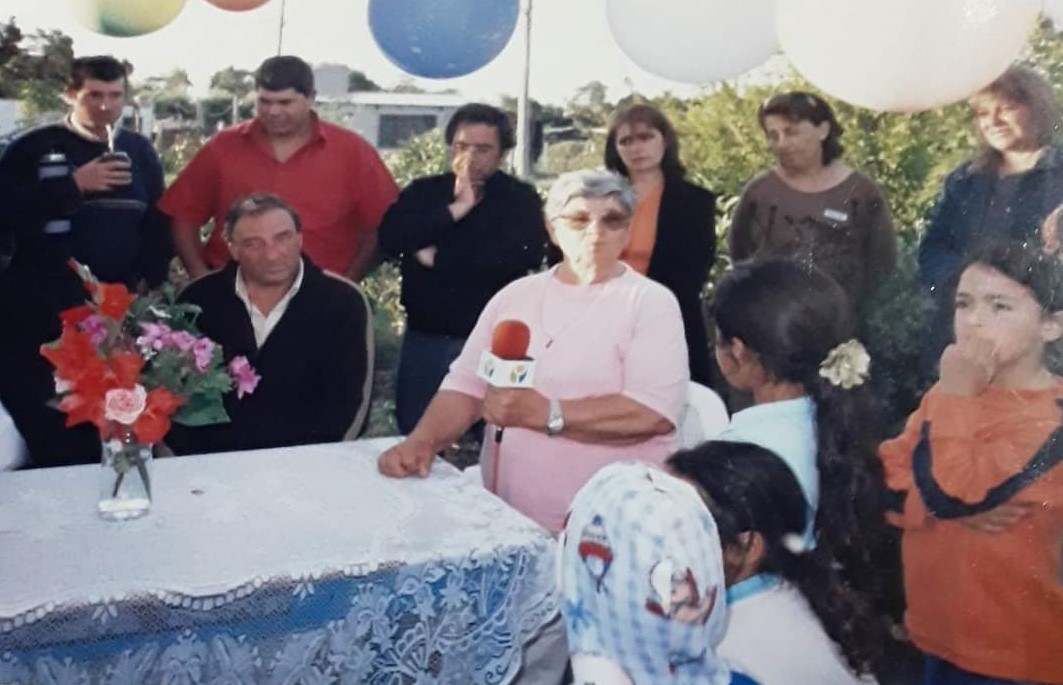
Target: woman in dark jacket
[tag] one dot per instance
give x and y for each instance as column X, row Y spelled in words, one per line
column 673, row 229
column 1004, row 193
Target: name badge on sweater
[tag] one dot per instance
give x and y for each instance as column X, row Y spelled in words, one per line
column 835, row 215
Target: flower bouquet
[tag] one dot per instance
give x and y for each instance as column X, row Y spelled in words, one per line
column 131, row 365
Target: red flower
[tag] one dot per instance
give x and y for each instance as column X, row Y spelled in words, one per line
column 113, row 300
column 73, row 355
column 76, row 315
column 77, row 362
column 154, row 422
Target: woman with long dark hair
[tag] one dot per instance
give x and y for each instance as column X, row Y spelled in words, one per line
column 673, row 235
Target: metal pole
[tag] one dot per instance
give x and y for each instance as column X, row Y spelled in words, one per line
column 280, row 30
column 524, row 129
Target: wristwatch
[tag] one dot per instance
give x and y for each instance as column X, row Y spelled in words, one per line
column 555, row 422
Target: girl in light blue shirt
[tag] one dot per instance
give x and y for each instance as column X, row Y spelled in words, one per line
column 785, row 333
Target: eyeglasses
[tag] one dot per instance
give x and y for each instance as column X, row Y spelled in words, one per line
column 613, row 221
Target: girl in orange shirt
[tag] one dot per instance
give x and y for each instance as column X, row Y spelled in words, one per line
column 978, row 482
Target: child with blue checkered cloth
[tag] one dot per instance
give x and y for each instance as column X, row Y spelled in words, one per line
column 642, row 582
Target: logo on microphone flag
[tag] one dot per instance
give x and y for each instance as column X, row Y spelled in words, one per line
column 504, row 373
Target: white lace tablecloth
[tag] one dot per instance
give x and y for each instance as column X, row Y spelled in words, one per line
column 252, row 566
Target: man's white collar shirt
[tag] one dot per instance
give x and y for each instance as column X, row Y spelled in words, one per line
column 264, row 324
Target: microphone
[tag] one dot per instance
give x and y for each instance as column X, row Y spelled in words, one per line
column 507, row 365
column 510, row 340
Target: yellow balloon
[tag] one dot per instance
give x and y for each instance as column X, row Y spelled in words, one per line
column 237, row 5
column 126, row 18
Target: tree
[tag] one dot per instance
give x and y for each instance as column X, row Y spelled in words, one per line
column 358, row 82
column 589, row 107
column 168, row 106
column 34, row 68
column 10, row 37
column 239, row 82
column 407, row 85
column 236, row 85
column 168, row 95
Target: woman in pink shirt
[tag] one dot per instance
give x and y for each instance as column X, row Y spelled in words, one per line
column 610, row 355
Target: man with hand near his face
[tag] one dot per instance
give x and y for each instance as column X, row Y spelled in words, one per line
column 67, row 194
column 304, row 331
column 461, row 236
column 331, row 176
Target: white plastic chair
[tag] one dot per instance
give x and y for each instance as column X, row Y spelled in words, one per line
column 474, row 474
column 704, row 417
column 13, row 451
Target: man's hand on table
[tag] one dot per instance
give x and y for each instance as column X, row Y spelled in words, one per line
column 408, row 458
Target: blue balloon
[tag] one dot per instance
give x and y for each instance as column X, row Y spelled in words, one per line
column 442, row 38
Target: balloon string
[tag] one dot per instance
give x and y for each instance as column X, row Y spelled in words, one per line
column 280, row 29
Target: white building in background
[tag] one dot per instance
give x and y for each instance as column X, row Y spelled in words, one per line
column 387, row 120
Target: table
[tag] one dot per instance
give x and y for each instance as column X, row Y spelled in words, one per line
column 296, row 565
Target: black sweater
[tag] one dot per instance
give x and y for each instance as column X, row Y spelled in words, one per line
column 312, row 365
column 498, row 241
column 683, row 254
column 120, row 234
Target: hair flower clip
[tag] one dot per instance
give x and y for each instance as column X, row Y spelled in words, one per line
column 847, row 366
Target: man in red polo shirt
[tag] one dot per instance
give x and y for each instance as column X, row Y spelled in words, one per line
column 332, row 177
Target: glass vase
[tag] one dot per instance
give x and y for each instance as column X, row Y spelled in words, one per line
column 125, row 478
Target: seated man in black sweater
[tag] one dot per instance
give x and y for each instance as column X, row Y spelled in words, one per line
column 306, row 332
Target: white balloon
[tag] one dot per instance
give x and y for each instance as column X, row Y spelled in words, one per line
column 694, row 41
column 904, row 55
column 126, row 18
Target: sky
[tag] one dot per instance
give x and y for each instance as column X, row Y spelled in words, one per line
column 571, row 46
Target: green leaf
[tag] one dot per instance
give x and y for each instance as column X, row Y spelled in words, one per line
column 202, row 409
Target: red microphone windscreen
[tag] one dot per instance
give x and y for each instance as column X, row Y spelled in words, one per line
column 510, row 340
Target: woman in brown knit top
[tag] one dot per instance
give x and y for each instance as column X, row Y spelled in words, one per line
column 811, row 206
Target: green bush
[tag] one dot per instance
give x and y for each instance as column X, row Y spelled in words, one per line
column 893, row 325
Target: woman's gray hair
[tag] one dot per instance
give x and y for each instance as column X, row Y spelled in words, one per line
column 588, row 183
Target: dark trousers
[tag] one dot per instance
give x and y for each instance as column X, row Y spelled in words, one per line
column 30, row 302
column 423, row 363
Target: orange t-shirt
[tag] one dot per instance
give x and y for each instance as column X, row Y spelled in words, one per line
column 990, row 603
column 643, row 232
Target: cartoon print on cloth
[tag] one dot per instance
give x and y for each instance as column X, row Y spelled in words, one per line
column 675, row 594
column 595, row 551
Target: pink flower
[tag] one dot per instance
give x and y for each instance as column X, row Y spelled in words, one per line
column 96, row 326
column 156, row 336
column 202, row 351
column 245, row 376
column 182, row 340
column 124, row 406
